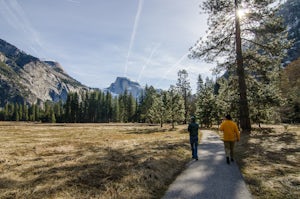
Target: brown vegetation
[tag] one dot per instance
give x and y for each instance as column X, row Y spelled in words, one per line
column 132, row 160
column 89, row 160
column 270, row 161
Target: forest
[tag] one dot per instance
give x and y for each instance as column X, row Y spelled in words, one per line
column 212, row 100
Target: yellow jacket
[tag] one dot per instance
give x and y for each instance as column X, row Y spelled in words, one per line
column 230, row 130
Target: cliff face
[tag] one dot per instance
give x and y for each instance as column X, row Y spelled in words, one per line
column 123, row 84
column 26, row 79
column 291, row 15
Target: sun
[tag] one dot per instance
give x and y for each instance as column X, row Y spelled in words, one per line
column 241, row 13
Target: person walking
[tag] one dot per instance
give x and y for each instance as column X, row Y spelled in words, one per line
column 193, row 129
column 231, row 135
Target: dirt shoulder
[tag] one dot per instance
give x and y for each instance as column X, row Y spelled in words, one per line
column 269, row 160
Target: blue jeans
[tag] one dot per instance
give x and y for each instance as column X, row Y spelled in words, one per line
column 194, row 147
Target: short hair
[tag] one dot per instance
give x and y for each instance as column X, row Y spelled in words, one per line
column 228, row 117
column 193, row 118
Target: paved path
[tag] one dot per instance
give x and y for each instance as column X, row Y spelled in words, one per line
column 210, row 177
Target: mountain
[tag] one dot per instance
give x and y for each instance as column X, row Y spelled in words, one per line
column 291, row 15
column 123, row 84
column 27, row 79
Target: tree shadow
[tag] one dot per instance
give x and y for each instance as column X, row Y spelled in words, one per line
column 150, row 131
column 266, row 148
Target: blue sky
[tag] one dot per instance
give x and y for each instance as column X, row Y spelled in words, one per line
column 96, row 41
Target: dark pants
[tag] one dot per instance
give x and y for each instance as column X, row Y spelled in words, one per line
column 194, row 146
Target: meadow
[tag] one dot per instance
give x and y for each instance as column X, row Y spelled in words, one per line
column 269, row 159
column 132, row 160
column 89, row 160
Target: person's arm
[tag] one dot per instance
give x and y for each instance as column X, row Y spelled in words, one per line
column 237, row 133
column 222, row 127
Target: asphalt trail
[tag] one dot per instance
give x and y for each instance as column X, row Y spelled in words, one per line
column 210, row 177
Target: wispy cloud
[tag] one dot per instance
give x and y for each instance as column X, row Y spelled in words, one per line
column 148, row 61
column 73, row 1
column 171, row 68
column 16, row 17
column 136, row 22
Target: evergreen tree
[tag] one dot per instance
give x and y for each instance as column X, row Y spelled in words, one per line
column 206, row 102
column 25, row 113
column 58, row 111
column 8, row 111
column 115, row 110
column 108, row 107
column 184, row 88
column 227, row 99
column 157, row 111
column 20, row 112
column 32, row 117
column 16, row 116
column 37, row 113
column 53, row 118
column 176, row 106
column 146, row 103
column 290, row 88
column 260, row 33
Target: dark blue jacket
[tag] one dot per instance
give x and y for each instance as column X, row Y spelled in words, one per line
column 193, row 129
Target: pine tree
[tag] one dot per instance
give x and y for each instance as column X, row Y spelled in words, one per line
column 156, row 112
column 260, row 33
column 176, row 106
column 25, row 113
column 146, row 103
column 227, row 98
column 7, row 114
column 184, row 88
column 206, row 102
column 116, row 110
column 16, row 113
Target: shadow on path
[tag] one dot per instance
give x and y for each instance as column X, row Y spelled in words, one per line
column 210, row 177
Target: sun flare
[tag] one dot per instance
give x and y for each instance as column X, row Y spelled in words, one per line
column 241, row 13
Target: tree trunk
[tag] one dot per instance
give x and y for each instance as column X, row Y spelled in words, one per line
column 244, row 109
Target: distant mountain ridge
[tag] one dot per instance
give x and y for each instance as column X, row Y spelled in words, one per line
column 123, row 84
column 27, row 79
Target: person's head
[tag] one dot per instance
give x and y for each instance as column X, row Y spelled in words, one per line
column 193, row 119
column 228, row 117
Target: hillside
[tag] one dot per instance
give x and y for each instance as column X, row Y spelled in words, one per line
column 291, row 15
column 27, row 79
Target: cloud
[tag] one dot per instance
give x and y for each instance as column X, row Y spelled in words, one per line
column 16, row 18
column 172, row 68
column 73, row 1
column 136, row 22
column 148, row 61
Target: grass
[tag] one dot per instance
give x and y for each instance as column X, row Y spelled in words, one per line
column 89, row 160
column 132, row 160
column 269, row 159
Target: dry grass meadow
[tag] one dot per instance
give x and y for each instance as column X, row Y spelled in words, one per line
column 89, row 160
column 132, row 160
column 269, row 159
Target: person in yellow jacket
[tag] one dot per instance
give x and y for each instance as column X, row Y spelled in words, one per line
column 231, row 135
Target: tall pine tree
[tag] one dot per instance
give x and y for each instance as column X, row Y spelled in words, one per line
column 249, row 25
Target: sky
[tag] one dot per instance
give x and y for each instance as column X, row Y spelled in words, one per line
column 96, row 41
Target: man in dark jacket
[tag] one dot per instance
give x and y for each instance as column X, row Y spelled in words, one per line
column 193, row 129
